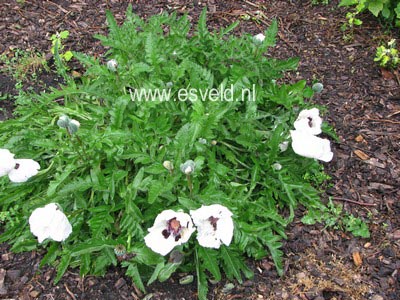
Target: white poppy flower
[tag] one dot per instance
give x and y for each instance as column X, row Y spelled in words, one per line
column 50, row 222
column 214, row 225
column 23, row 170
column 308, row 145
column 259, row 37
column 7, row 162
column 170, row 229
column 309, row 121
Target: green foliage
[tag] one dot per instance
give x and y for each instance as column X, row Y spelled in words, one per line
column 109, row 178
column 57, row 45
column 23, row 64
column 317, row 2
column 333, row 216
column 388, row 57
column 388, row 10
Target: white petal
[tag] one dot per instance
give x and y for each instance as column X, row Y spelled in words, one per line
column 208, row 238
column 26, row 169
column 309, row 121
column 225, row 230
column 38, row 222
column 49, row 222
column 308, row 145
column 159, row 244
column 7, row 162
column 60, row 228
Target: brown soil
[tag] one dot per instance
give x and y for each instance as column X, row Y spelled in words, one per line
column 363, row 105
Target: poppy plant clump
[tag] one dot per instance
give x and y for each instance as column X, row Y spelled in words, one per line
column 160, row 186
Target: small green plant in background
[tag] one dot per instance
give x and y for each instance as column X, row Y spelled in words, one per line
column 388, row 57
column 317, row 2
column 388, row 10
column 348, row 26
column 333, row 216
column 57, row 43
column 24, row 64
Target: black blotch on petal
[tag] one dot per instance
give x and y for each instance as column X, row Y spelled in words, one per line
column 165, row 233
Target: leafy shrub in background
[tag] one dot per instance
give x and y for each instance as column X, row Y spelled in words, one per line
column 113, row 165
column 389, row 10
column 387, row 57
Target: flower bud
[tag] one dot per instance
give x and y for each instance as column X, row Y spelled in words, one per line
column 188, row 279
column 63, row 121
column 277, row 166
column 119, row 250
column 73, row 126
column 259, row 38
column 112, row 65
column 202, row 141
column 168, row 165
column 318, row 87
column 188, row 167
column 283, row 146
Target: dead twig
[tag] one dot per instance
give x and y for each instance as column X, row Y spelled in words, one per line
column 353, row 201
column 380, row 120
column 69, row 292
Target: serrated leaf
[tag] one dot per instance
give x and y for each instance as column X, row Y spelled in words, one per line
column 209, row 259
column 90, row 246
column 202, row 285
column 133, row 272
column 51, row 255
column 156, row 272
column 167, row 271
column 63, row 266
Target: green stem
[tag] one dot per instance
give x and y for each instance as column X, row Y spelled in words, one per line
column 190, row 184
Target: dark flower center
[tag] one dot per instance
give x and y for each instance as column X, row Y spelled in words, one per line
column 310, row 121
column 213, row 222
column 174, row 228
column 16, row 166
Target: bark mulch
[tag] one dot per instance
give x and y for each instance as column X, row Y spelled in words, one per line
column 362, row 104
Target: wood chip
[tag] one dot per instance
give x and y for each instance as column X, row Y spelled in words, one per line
column 361, row 154
column 367, row 245
column 359, row 138
column 357, row 258
column 374, row 162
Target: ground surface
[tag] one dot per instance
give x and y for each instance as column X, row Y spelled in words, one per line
column 363, row 105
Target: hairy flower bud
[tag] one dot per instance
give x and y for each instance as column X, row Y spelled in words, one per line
column 318, row 87
column 63, row 121
column 112, row 65
column 188, row 167
column 73, row 126
column 168, row 165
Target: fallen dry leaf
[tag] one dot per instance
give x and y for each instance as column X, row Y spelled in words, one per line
column 387, row 74
column 361, row 154
column 357, row 258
